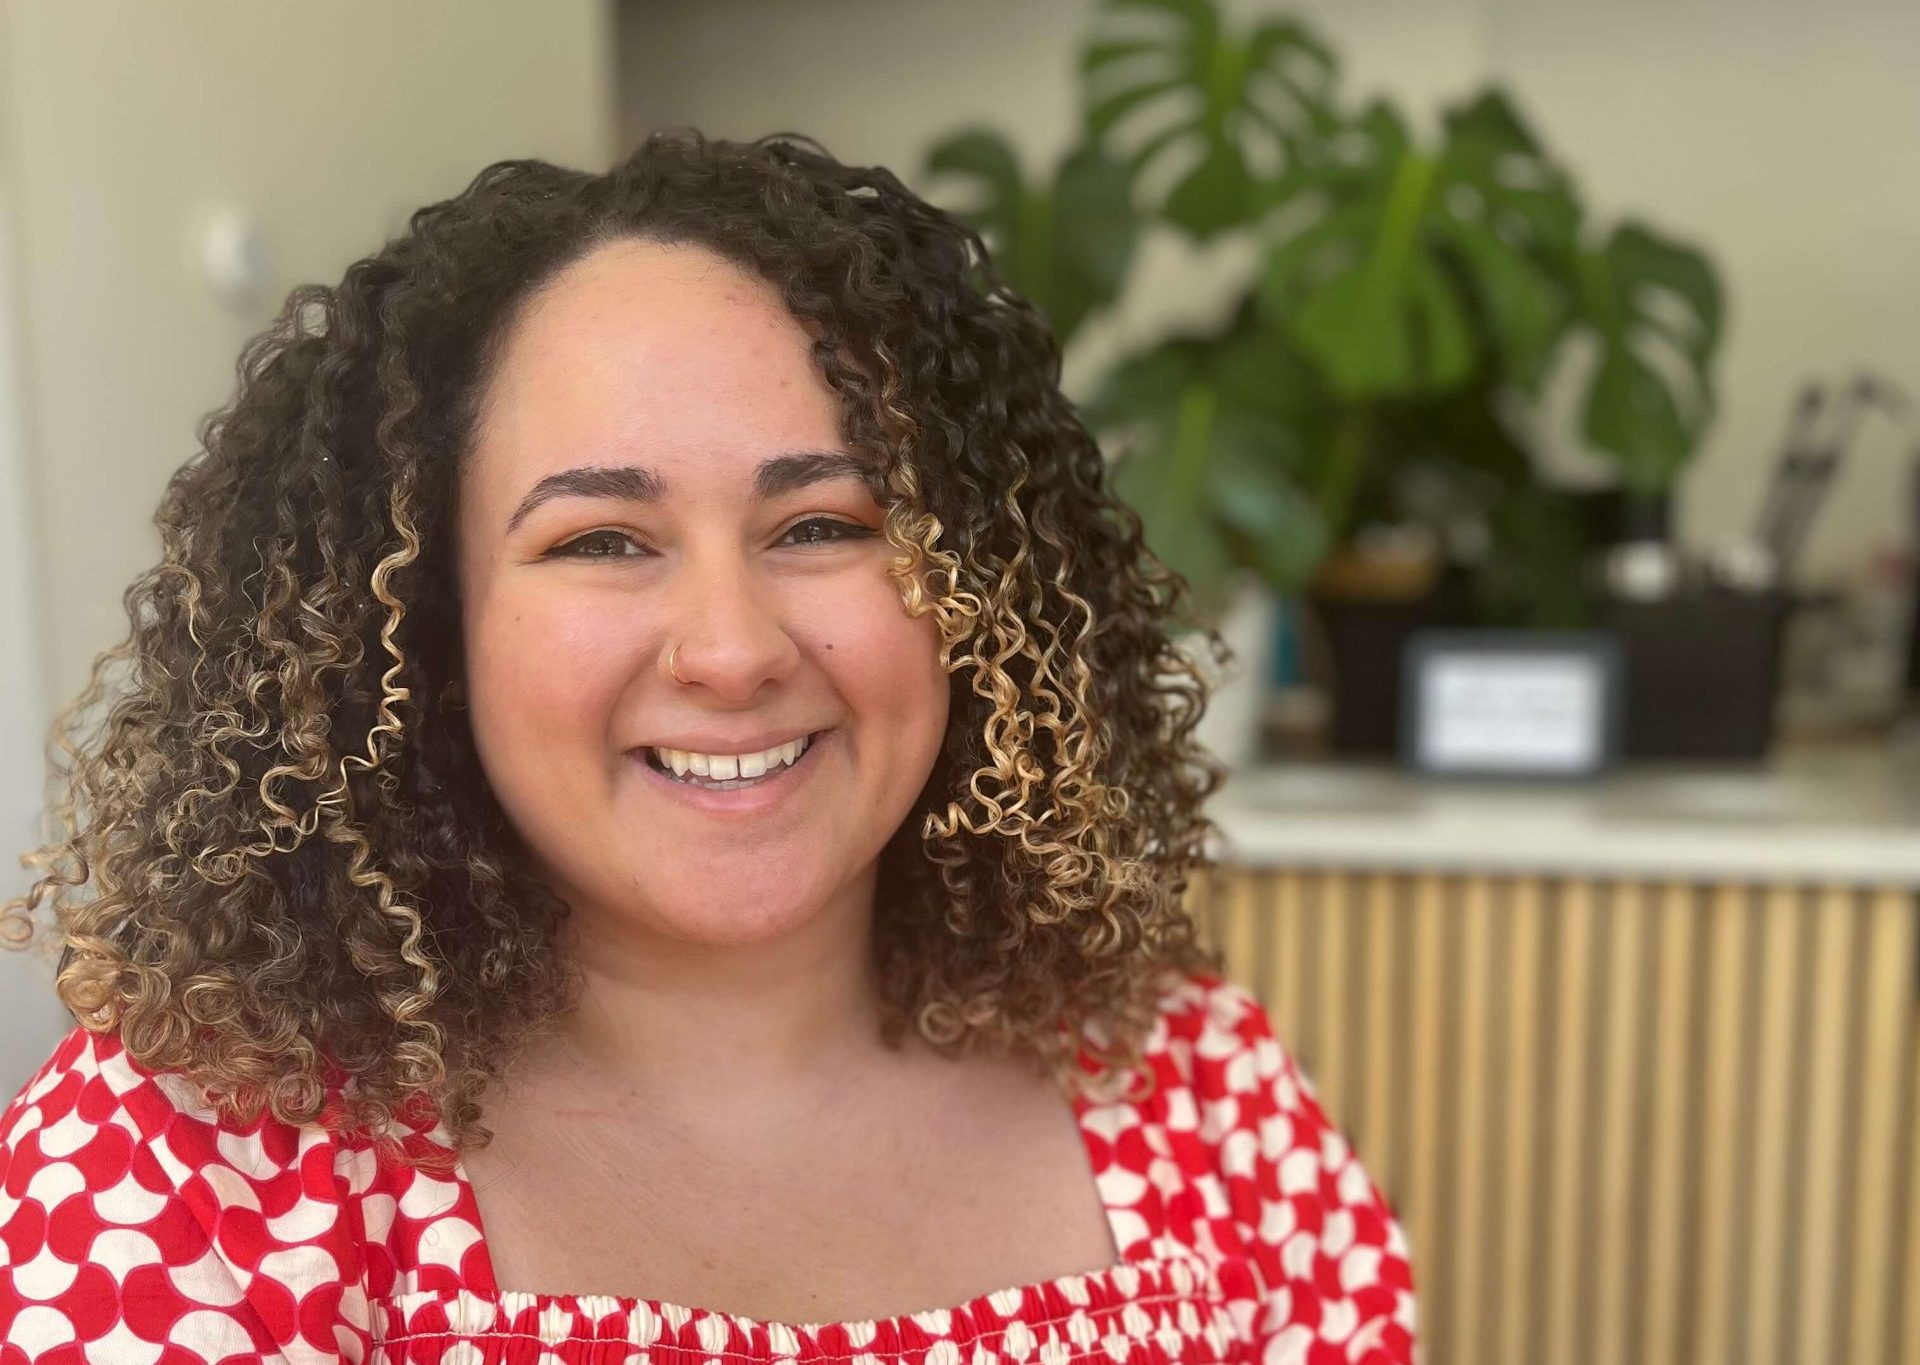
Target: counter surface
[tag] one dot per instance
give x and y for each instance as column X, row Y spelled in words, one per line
column 1817, row 814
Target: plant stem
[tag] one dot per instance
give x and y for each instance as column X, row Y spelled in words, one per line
column 1035, row 247
column 1406, row 205
column 1595, row 274
column 1351, row 437
column 1192, row 443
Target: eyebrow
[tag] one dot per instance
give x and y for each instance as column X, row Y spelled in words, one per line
column 775, row 475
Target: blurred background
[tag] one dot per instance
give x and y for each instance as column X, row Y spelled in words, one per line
column 1526, row 389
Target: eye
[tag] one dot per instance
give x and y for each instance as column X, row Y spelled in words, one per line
column 836, row 530
column 614, row 539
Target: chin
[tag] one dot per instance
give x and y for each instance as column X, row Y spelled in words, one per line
column 730, row 923
column 732, row 911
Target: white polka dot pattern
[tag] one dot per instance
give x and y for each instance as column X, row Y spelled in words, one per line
column 136, row 1228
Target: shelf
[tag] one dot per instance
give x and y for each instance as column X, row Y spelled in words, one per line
column 1836, row 813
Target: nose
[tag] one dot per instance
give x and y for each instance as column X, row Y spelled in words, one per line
column 727, row 634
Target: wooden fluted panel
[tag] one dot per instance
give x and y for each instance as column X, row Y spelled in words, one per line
column 1426, row 1050
column 1674, row 1022
column 1887, row 984
column 1380, row 1110
column 1289, row 947
column 1771, row 1193
column 1622, row 1122
column 1521, row 1098
column 1237, row 925
column 1473, row 988
column 1906, row 1315
column 1819, row 1176
column 1611, row 1314
column 1336, row 912
column 1568, row 1231
column 1723, row 1130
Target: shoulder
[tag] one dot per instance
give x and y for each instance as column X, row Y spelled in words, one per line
column 91, row 1104
column 1214, row 1038
column 129, row 1205
column 1279, row 1178
column 1250, row 1101
column 96, row 1114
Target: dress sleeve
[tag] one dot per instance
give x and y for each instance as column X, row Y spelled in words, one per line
column 1340, row 1283
column 137, row 1231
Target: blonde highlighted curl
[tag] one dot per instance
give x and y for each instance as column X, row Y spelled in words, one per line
column 277, row 864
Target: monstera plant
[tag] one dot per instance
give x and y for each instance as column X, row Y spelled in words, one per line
column 1067, row 245
column 1406, row 299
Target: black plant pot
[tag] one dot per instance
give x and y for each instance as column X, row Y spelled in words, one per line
column 1702, row 673
column 1362, row 642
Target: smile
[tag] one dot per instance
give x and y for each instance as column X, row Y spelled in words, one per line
column 739, row 794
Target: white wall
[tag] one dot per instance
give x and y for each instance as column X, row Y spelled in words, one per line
column 131, row 123
column 1786, row 137
column 1782, row 135
column 30, row 1018
column 123, row 126
column 877, row 81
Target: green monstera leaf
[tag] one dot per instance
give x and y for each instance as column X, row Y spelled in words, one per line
column 1165, row 411
column 1068, row 246
column 1210, row 466
column 1270, row 522
column 1656, row 306
column 1187, row 91
column 1510, row 221
column 1404, row 272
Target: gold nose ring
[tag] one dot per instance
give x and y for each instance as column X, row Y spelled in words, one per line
column 670, row 668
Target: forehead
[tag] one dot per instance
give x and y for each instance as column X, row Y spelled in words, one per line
column 665, row 353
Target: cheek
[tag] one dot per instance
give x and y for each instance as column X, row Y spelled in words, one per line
column 540, row 667
column 895, row 667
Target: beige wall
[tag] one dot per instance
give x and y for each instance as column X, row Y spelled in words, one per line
column 123, row 126
column 129, row 124
column 1780, row 133
column 877, row 81
column 1786, row 136
column 27, row 1012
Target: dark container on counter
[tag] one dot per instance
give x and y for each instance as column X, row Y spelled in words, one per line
column 1702, row 672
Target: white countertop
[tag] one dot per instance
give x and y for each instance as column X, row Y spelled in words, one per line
column 1836, row 813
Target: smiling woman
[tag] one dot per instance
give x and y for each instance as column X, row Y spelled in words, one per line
column 574, row 602
column 652, row 661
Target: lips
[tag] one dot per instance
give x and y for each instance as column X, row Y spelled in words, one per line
column 739, row 767
column 709, row 744
column 740, row 796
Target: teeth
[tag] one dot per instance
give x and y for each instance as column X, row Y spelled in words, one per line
column 725, row 767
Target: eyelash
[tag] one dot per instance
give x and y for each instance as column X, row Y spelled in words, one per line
column 845, row 530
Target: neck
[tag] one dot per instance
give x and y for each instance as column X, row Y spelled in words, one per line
column 661, row 1016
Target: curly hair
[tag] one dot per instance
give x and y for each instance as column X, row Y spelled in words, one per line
column 277, row 861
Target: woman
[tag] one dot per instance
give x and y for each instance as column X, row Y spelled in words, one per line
column 652, row 662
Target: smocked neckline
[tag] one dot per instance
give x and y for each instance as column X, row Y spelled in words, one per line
column 1147, row 1300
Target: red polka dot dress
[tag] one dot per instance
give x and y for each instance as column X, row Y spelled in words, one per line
column 137, row 1228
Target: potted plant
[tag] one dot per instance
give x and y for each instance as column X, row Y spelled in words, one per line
column 1347, row 434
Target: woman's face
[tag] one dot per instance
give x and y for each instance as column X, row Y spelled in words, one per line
column 659, row 463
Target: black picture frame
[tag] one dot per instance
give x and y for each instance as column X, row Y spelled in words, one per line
column 1596, row 653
